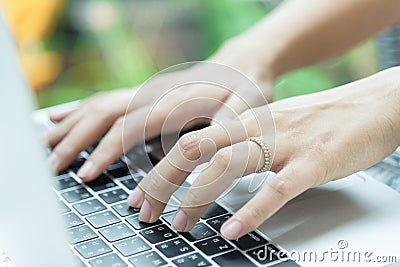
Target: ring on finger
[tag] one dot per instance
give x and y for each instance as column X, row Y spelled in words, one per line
column 266, row 153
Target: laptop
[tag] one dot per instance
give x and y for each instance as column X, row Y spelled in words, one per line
column 52, row 219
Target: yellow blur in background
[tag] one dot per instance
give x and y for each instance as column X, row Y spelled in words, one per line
column 31, row 21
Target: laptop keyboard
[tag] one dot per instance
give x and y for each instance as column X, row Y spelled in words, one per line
column 104, row 231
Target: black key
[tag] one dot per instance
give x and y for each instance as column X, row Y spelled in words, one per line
column 148, row 259
column 123, row 209
column 191, row 260
column 174, row 248
column 61, row 173
column 158, row 234
column 250, row 240
column 76, row 195
column 138, row 225
column 92, row 248
column 76, row 164
column 264, row 254
column 102, row 182
column 213, row 245
column 198, row 232
column 233, row 259
column 80, row 234
column 216, row 223
column 102, row 219
column 213, row 210
column 114, row 196
column 117, row 232
column 110, row 260
column 64, row 183
column 72, row 220
column 64, row 208
column 129, row 183
column 89, row 206
column 118, row 170
column 131, row 246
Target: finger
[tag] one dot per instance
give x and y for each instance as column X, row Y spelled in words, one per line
column 229, row 163
column 85, row 133
column 56, row 134
column 238, row 102
column 60, row 114
column 191, row 150
column 292, row 180
column 113, row 144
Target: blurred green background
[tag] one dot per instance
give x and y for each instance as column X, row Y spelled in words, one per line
column 104, row 45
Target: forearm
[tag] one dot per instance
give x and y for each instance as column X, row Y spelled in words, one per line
column 304, row 32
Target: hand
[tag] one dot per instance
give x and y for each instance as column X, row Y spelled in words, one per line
column 110, row 114
column 319, row 138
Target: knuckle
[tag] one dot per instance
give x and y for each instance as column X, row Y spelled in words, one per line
column 189, row 145
column 65, row 149
column 223, row 157
column 280, row 187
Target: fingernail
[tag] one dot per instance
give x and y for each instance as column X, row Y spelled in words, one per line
column 85, row 170
column 180, row 221
column 145, row 212
column 232, row 229
column 53, row 159
column 136, row 197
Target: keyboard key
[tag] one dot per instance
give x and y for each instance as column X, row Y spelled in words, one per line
column 102, row 182
column 138, row 225
column 64, row 208
column 118, row 170
column 89, row 206
column 80, row 234
column 114, row 196
column 65, row 183
column 72, row 220
column 158, row 234
column 213, row 210
column 102, row 219
column 191, row 260
column 92, row 248
column 213, row 245
column 267, row 253
column 76, row 195
column 172, row 205
column 131, row 246
column 77, row 163
column 174, row 248
column 129, row 183
column 264, row 254
column 233, row 259
column 250, row 240
column 148, row 259
column 123, row 209
column 111, row 260
column 198, row 232
column 216, row 223
column 117, row 232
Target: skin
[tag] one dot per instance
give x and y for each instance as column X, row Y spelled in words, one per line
column 326, row 30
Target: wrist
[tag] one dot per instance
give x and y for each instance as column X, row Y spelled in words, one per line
column 244, row 55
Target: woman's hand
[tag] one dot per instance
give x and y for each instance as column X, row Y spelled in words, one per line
column 318, row 138
column 128, row 111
